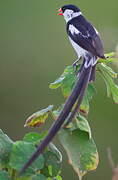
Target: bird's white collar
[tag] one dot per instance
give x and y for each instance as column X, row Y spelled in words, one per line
column 77, row 14
column 74, row 15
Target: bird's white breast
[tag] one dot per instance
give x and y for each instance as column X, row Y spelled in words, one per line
column 80, row 51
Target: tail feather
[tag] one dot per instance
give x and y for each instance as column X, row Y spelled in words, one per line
column 78, row 89
column 81, row 95
column 92, row 77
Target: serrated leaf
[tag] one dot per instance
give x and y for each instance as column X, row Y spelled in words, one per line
column 83, row 124
column 4, row 175
column 81, row 150
column 39, row 177
column 5, row 148
column 21, row 152
column 112, row 88
column 87, row 97
column 108, row 70
column 34, row 137
column 38, row 118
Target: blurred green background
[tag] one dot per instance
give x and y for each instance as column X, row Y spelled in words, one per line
column 34, row 50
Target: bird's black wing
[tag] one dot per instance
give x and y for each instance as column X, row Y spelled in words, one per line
column 86, row 36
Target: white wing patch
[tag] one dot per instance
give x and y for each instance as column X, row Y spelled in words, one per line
column 96, row 30
column 73, row 29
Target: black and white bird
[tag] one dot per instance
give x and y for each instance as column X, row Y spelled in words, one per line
column 83, row 36
column 87, row 43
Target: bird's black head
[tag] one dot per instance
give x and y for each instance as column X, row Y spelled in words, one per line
column 70, row 7
column 69, row 12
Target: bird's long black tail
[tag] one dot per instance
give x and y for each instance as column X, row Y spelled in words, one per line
column 92, row 77
column 87, row 79
column 78, row 91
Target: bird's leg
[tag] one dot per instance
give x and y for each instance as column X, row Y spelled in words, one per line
column 81, row 69
column 76, row 63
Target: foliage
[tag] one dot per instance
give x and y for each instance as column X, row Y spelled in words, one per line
column 17, row 153
column 76, row 137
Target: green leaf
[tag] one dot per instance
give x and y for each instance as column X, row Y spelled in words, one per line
column 87, row 97
column 56, row 113
column 5, row 148
column 110, row 57
column 21, row 152
column 56, row 84
column 39, row 177
column 58, row 178
column 68, row 84
column 38, row 118
column 108, row 60
column 55, row 150
column 68, row 79
column 79, row 123
column 81, row 150
column 112, row 88
column 108, row 74
column 24, row 178
column 83, row 124
column 4, row 175
column 52, row 164
column 65, row 81
column 34, row 137
column 108, row 70
column 49, row 178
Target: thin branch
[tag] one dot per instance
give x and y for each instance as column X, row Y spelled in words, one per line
column 111, row 162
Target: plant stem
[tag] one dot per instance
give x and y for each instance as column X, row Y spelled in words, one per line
column 13, row 174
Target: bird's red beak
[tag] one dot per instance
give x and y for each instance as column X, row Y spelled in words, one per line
column 60, row 12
